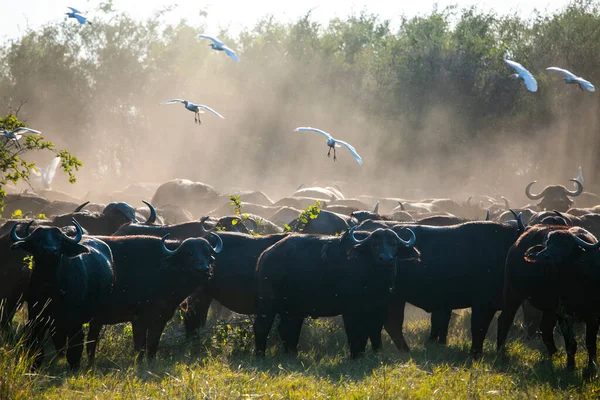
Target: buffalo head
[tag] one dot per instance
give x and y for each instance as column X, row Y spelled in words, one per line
column 562, row 246
column 555, row 197
column 193, row 255
column 385, row 245
column 45, row 242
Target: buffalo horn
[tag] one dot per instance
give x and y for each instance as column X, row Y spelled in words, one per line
column 79, row 234
column 410, row 242
column 519, row 219
column 217, row 249
column 533, row 196
column 579, row 188
column 165, row 248
column 586, row 245
column 152, row 217
column 80, row 207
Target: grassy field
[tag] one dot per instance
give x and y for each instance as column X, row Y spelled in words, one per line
column 219, row 365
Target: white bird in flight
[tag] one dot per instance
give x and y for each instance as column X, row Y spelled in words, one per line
column 333, row 143
column 523, row 74
column 220, row 46
column 197, row 109
column 77, row 15
column 571, row 78
column 580, row 175
column 16, row 134
column 44, row 176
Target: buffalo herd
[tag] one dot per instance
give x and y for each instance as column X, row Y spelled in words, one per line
column 313, row 254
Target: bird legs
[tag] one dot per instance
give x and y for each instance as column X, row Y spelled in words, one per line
column 197, row 118
column 329, row 153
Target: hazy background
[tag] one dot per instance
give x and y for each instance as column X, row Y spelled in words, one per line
column 421, row 93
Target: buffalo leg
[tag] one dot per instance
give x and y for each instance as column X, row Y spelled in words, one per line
column 195, row 311
column 75, row 348
column 547, row 327
column 480, row 322
column 59, row 339
column 262, row 327
column 440, row 321
column 92, row 340
column 591, row 333
column 289, row 331
column 512, row 303
column 154, row 333
column 376, row 321
column 393, row 325
column 357, row 336
column 566, row 323
column 139, row 338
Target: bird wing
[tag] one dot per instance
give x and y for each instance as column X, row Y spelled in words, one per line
column 75, row 11
column 81, row 19
column 308, row 128
column 586, row 84
column 352, row 150
column 27, row 130
column 231, row 54
column 530, row 82
column 566, row 73
column 49, row 172
column 172, row 101
column 214, row 39
column 211, row 110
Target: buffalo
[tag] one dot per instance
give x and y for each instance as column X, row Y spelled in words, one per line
column 305, row 275
column 556, row 269
column 555, row 197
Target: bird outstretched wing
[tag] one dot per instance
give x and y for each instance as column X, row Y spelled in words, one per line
column 308, row 128
column 586, row 84
column 75, row 11
column 26, row 130
column 211, row 110
column 81, row 19
column 352, row 150
column 231, row 54
column 214, row 39
column 566, row 73
column 172, row 101
column 530, row 82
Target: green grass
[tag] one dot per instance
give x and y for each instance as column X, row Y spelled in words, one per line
column 220, row 365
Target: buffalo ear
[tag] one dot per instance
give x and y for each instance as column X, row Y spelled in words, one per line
column 22, row 245
column 532, row 251
column 73, row 249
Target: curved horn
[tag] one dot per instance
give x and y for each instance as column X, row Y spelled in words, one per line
column 376, row 209
column 533, row 196
column 401, row 206
column 152, row 217
column 579, row 188
column 217, row 249
column 355, row 240
column 80, row 207
column 13, row 233
column 519, row 219
column 165, row 248
column 469, row 200
column 202, row 228
column 560, row 214
column 255, row 230
column 487, row 215
column 410, row 242
column 79, row 234
column 506, row 204
column 586, row 245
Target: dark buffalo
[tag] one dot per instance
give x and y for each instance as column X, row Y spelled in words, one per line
column 151, row 285
column 555, row 197
column 462, row 266
column 196, row 197
column 304, row 275
column 326, row 223
column 556, row 269
column 190, row 229
column 71, row 279
column 14, row 280
column 233, row 282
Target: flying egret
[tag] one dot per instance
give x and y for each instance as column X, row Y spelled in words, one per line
column 220, row 46
column 571, row 78
column 16, row 134
column 77, row 15
column 44, row 176
column 333, row 143
column 580, row 175
column 197, row 109
column 523, row 74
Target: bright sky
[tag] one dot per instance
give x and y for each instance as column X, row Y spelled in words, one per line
column 16, row 16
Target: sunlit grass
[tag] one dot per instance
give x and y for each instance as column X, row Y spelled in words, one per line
column 220, row 364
